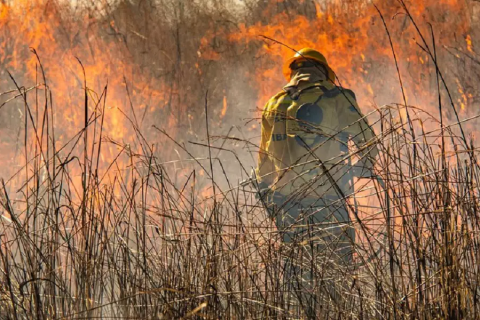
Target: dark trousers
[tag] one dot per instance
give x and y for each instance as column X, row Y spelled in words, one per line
column 323, row 223
column 317, row 241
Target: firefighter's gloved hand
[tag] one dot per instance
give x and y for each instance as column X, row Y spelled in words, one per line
column 263, row 191
column 252, row 179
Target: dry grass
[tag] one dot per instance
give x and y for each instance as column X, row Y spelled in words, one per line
column 133, row 244
column 139, row 239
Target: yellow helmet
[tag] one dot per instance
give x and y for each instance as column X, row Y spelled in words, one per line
column 307, row 54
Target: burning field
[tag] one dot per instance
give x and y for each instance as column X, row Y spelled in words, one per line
column 129, row 130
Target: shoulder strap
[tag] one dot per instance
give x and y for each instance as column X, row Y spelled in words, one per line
column 349, row 92
column 295, row 95
column 327, row 93
column 330, row 93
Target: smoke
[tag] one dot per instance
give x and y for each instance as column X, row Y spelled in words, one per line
column 166, row 62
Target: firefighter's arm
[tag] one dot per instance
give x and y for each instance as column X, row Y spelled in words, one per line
column 358, row 128
column 265, row 167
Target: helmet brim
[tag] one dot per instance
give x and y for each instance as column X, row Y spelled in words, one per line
column 287, row 71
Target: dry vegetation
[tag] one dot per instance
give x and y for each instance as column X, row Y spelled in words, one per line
column 144, row 235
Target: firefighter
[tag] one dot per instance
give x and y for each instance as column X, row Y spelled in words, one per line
column 304, row 167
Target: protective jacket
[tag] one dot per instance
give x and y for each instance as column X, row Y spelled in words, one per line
column 305, row 140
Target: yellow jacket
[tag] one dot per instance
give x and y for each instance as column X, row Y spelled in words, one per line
column 292, row 148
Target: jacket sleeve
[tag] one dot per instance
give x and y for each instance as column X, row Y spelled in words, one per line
column 356, row 125
column 265, row 167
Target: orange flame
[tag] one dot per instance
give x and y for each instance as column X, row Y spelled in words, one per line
column 468, row 40
column 350, row 34
column 356, row 46
column 39, row 25
column 224, row 109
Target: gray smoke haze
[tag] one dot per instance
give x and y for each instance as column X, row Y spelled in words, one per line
column 183, row 51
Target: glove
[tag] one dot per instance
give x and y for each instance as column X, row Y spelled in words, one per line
column 263, row 191
column 251, row 179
